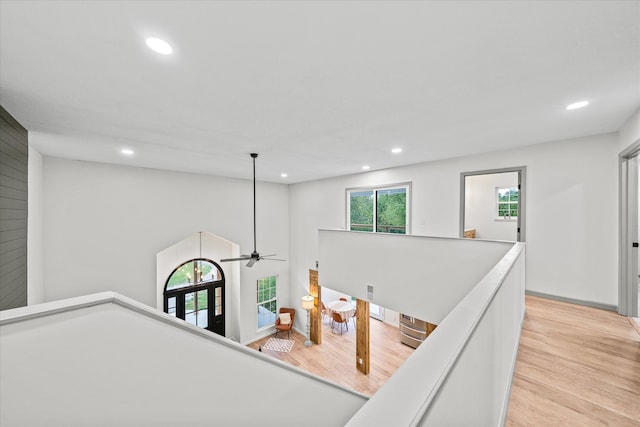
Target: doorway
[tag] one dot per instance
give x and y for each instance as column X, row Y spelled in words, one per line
column 628, row 279
column 492, row 204
column 194, row 292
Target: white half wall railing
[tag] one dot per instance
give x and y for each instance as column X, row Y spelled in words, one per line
column 107, row 360
column 424, row 277
column 462, row 374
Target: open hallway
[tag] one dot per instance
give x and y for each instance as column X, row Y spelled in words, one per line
column 577, row 366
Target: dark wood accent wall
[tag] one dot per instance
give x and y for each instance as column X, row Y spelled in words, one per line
column 14, row 156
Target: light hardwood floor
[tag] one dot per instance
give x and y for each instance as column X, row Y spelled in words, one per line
column 335, row 358
column 576, row 366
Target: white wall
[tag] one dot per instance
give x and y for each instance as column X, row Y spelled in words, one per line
column 570, row 255
column 480, row 206
column 104, row 225
column 35, row 237
column 629, row 132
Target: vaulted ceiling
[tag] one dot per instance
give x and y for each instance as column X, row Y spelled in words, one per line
column 318, row 88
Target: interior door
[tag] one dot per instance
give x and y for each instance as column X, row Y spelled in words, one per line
column 628, row 238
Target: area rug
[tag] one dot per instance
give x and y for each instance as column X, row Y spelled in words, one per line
column 278, row 344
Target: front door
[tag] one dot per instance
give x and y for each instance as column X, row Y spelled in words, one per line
column 194, row 293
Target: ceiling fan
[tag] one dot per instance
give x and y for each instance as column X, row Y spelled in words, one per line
column 255, row 256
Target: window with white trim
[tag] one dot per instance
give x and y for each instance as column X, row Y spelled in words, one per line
column 507, row 203
column 267, row 301
column 381, row 209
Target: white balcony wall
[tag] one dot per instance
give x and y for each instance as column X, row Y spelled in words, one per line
column 424, row 277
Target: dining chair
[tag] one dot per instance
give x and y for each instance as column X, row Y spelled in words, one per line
column 324, row 310
column 337, row 319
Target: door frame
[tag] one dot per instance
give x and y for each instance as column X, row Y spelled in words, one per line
column 628, row 230
column 522, row 179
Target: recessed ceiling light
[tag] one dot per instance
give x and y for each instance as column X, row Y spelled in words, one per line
column 126, row 152
column 159, row 46
column 396, row 150
column 365, row 167
column 284, row 175
column 577, row 105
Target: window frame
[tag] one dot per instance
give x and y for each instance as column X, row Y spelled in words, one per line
column 406, row 185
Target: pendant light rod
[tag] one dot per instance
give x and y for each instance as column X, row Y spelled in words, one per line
column 253, row 156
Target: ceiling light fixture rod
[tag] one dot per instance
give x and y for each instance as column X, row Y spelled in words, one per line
column 253, row 156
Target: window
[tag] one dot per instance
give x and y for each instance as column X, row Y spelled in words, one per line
column 194, row 292
column 386, row 207
column 267, row 303
column 507, row 203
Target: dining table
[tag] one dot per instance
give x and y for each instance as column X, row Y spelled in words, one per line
column 344, row 308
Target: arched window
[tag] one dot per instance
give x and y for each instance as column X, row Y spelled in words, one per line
column 194, row 292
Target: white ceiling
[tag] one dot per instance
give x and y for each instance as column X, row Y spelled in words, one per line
column 317, row 88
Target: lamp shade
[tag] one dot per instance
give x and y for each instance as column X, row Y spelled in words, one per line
column 307, row 302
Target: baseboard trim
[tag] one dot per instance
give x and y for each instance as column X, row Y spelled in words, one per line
column 574, row 301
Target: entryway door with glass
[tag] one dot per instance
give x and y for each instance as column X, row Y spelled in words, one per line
column 194, row 293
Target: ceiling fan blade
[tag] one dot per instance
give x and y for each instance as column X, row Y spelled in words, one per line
column 252, row 261
column 272, row 259
column 242, row 258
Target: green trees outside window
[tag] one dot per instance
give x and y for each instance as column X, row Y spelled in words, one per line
column 202, row 270
column 267, row 301
column 361, row 213
column 384, row 207
column 507, row 200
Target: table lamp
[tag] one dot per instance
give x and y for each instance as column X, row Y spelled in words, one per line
column 307, row 304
